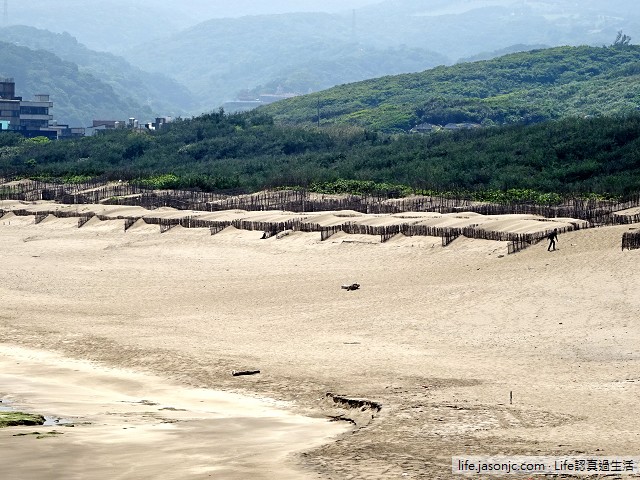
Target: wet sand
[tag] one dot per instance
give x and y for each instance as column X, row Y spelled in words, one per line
column 114, row 423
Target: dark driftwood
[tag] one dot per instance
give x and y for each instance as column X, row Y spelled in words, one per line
column 358, row 403
column 341, row 418
column 239, row 373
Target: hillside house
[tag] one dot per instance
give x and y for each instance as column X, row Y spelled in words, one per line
column 425, row 128
column 462, row 126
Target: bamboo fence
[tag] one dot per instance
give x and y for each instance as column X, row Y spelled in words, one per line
column 597, row 212
column 587, row 212
column 631, row 240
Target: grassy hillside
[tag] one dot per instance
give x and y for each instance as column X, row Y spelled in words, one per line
column 78, row 97
column 522, row 87
column 161, row 94
column 248, row 152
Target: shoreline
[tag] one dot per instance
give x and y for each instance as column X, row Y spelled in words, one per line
column 144, row 426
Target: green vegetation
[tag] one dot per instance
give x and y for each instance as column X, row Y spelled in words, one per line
column 512, row 195
column 361, row 187
column 14, row 419
column 526, row 87
column 77, row 96
column 248, row 152
column 312, row 51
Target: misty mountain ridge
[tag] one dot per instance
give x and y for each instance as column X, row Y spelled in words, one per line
column 78, row 97
column 159, row 93
column 460, row 28
column 124, row 23
column 219, row 58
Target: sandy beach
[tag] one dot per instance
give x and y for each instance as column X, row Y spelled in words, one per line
column 439, row 336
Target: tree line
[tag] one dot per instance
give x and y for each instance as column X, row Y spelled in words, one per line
column 248, row 152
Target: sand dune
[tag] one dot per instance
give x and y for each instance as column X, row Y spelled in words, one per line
column 439, row 336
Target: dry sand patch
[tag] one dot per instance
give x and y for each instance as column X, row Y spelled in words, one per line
column 439, row 336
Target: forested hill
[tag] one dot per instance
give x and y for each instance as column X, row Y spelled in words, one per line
column 247, row 152
column 77, row 96
column 161, row 94
column 522, row 87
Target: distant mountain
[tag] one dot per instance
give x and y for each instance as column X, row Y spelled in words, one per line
column 463, row 28
column 454, row 28
column 524, row 87
column 115, row 25
column 161, row 94
column 501, row 52
column 348, row 63
column 299, row 52
column 78, row 97
column 103, row 26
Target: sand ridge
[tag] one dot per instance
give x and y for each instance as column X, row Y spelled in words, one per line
column 514, row 223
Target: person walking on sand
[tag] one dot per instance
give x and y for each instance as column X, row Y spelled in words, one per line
column 553, row 236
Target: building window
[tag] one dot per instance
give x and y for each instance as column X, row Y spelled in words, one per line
column 34, row 110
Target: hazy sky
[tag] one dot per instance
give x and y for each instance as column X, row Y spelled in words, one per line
column 226, row 8
column 119, row 25
column 199, row 10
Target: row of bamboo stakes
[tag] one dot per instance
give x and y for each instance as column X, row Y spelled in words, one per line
column 631, row 241
column 592, row 212
column 601, row 212
column 517, row 242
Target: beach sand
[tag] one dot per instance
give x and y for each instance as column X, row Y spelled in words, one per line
column 438, row 336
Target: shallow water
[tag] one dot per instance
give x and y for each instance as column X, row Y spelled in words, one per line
column 49, row 420
column 125, row 420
